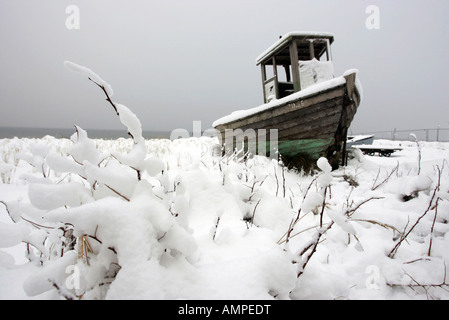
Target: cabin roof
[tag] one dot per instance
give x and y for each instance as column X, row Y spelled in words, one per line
column 282, row 43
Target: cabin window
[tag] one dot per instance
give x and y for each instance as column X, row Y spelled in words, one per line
column 269, row 71
column 284, row 73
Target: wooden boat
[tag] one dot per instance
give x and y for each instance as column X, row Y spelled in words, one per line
column 308, row 108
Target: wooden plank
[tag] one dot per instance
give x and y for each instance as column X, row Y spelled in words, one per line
column 286, row 108
column 350, row 84
column 328, row 53
column 326, row 128
column 300, row 117
column 275, row 72
column 311, row 50
column 317, row 121
column 264, row 77
column 295, row 66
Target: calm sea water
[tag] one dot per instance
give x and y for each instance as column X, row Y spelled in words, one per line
column 11, row 132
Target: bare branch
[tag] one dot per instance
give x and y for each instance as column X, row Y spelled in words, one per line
column 216, row 228
column 7, row 211
column 386, row 179
column 116, row 192
column 429, row 208
column 108, row 99
column 254, row 212
column 433, row 225
column 349, row 212
column 62, row 292
column 107, row 96
column 322, row 208
column 322, row 230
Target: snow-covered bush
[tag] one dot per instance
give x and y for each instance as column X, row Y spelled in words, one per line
column 101, row 218
column 164, row 219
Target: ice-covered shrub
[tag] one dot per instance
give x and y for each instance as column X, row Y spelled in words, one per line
column 103, row 223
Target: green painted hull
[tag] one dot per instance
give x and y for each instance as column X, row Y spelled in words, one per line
column 311, row 149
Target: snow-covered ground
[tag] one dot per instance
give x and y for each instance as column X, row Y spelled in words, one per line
column 162, row 219
column 85, row 219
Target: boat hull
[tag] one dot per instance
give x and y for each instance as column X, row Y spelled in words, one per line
column 308, row 127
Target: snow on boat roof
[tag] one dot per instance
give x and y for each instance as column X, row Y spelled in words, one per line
column 286, row 37
column 322, row 86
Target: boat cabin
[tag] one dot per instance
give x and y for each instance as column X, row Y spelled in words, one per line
column 296, row 61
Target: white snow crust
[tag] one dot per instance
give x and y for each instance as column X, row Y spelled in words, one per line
column 164, row 242
column 162, row 219
column 90, row 74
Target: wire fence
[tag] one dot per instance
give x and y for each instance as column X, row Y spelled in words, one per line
column 430, row 134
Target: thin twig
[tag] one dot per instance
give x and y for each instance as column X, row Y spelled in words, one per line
column 386, row 179
column 7, row 211
column 116, row 192
column 62, row 292
column 36, row 225
column 283, row 181
column 111, row 102
column 429, row 208
column 322, row 208
column 375, row 180
column 277, row 182
column 298, row 233
column 295, row 220
column 382, row 224
column 349, row 212
column 321, row 231
column 254, row 212
column 107, row 96
column 216, row 228
column 314, row 245
column 415, row 284
column 433, row 225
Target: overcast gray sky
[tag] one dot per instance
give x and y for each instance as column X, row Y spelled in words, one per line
column 173, row 62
